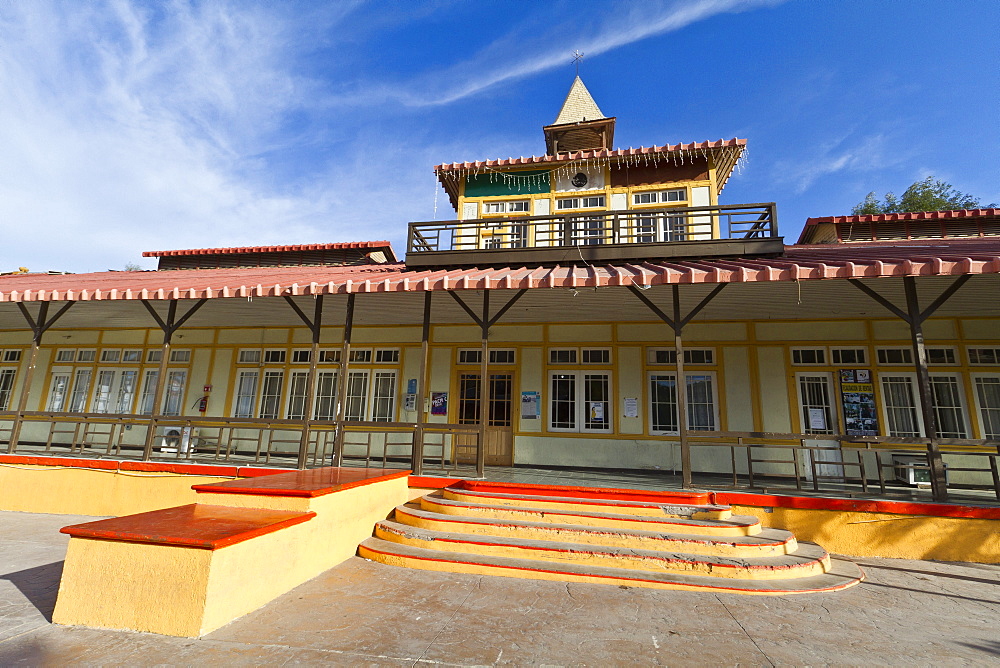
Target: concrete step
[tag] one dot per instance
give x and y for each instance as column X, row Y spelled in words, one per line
column 734, row 526
column 645, row 508
column 807, row 560
column 768, row 542
column 840, row 575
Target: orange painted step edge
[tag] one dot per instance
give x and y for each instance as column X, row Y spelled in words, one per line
column 858, row 505
column 652, row 496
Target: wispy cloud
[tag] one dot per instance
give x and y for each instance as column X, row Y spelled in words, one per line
column 517, row 54
column 845, row 154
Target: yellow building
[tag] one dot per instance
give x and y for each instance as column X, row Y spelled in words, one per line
column 583, row 284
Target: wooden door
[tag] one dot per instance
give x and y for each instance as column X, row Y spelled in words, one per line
column 499, row 442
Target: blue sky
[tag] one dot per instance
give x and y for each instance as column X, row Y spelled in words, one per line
column 131, row 126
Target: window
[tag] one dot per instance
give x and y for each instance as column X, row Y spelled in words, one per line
column 664, row 196
column 593, row 202
column 989, row 356
column 173, row 392
column 154, row 355
column 12, row 356
column 900, row 407
column 58, row 391
column 895, row 356
column 132, row 356
column 326, row 396
column 249, row 357
column 579, row 401
column 657, row 227
column 180, row 356
column 900, row 398
column 329, row 357
column 596, row 356
column 379, row 406
column 86, row 355
column 512, row 206
column 114, row 391
column 988, row 400
column 905, row 356
column 470, row 397
column 65, row 355
column 497, row 356
column 362, row 356
column 387, row 356
column 274, row 356
column 111, row 355
column 246, row 394
column 818, row 415
column 849, row 355
column 808, row 355
column 270, row 393
column 297, row 395
column 6, row 387
column 691, row 356
column 301, row 356
column 81, row 386
column 562, row 356
column 663, row 403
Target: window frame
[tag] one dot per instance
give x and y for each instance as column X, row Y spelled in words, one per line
column 580, row 401
column 668, row 373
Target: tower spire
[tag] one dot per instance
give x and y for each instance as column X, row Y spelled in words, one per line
column 581, row 124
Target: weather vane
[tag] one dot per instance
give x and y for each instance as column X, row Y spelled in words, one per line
column 577, row 57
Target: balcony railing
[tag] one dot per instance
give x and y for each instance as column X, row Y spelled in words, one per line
column 742, row 222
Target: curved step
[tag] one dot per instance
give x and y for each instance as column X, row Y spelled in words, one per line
column 734, row 526
column 768, row 542
column 808, row 560
column 842, row 574
column 645, row 508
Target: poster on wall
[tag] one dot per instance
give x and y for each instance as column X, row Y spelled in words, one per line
column 529, row 405
column 439, row 403
column 857, row 396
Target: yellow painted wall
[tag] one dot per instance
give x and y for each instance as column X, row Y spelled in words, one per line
column 739, row 412
column 579, row 333
column 935, row 329
column 888, row 535
column 631, row 383
column 985, row 329
column 844, row 330
column 532, row 380
column 61, row 490
column 774, row 401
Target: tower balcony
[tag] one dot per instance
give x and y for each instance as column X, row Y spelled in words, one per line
column 598, row 236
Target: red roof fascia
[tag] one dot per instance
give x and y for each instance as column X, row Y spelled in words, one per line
column 600, row 153
column 893, row 217
column 240, row 250
column 816, row 262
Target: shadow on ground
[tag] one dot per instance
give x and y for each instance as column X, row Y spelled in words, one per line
column 39, row 585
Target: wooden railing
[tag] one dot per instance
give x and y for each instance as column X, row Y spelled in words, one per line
column 248, row 440
column 634, row 226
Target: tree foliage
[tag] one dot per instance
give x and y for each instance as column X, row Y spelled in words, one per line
column 929, row 194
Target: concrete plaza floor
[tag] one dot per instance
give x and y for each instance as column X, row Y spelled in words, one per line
column 362, row 613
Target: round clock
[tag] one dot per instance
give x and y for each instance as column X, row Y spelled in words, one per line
column 579, row 180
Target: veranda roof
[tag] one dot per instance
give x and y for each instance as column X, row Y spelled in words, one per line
column 932, row 257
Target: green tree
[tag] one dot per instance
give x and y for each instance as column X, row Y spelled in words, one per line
column 929, row 194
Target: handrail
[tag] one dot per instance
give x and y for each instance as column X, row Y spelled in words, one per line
column 598, row 227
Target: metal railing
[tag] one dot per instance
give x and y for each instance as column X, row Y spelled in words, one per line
column 249, row 441
column 635, row 226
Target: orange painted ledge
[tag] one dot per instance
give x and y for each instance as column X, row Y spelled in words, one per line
column 308, row 483
column 858, row 505
column 213, row 470
column 195, row 525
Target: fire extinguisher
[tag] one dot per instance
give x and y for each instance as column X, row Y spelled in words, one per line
column 203, row 404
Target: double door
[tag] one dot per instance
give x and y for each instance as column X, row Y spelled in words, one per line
column 499, row 438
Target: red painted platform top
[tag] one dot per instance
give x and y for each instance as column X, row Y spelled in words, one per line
column 308, row 483
column 195, row 525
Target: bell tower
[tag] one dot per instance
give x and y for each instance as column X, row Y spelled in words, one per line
column 580, row 125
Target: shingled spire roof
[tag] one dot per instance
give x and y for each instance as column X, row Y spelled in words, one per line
column 581, row 125
column 579, row 105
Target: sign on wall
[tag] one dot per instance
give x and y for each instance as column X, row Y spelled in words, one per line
column 529, row 405
column 857, row 396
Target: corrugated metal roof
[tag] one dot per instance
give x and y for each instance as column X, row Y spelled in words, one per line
column 343, row 245
column 600, row 153
column 931, row 258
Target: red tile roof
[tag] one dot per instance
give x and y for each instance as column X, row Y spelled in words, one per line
column 344, row 245
column 931, row 257
column 599, row 153
column 898, row 217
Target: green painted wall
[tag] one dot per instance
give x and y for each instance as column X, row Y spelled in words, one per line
column 494, row 185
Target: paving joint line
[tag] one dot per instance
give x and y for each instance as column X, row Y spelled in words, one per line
column 747, row 633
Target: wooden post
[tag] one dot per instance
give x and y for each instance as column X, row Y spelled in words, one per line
column 168, row 326
column 418, row 433
column 38, row 329
column 484, row 386
column 315, row 324
column 345, row 363
column 939, row 487
column 680, row 385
